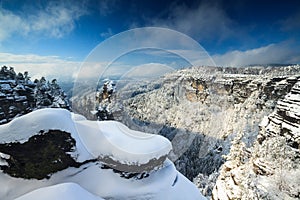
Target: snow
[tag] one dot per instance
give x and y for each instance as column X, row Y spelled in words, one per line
column 94, row 138
column 90, row 181
column 264, row 121
column 59, row 100
column 108, row 138
column 3, row 156
column 77, row 117
column 5, row 86
column 165, row 183
column 3, row 120
column 20, row 98
column 22, row 128
column 20, row 87
column 65, row 191
column 111, row 86
column 8, row 81
column 32, row 123
column 9, row 98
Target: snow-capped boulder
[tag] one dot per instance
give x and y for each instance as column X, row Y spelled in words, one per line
column 53, row 146
column 121, row 148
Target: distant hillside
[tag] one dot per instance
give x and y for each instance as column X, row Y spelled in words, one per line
column 19, row 95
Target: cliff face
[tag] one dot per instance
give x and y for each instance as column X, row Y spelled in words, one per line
column 271, row 168
column 202, row 110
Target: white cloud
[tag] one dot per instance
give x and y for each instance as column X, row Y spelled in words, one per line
column 11, row 23
column 55, row 20
column 107, row 34
column 38, row 66
column 206, row 21
column 161, row 39
column 91, row 70
column 147, row 71
column 282, row 53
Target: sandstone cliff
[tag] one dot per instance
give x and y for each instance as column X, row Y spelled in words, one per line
column 271, row 168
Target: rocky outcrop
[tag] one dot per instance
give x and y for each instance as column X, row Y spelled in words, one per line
column 19, row 95
column 271, row 168
column 53, row 146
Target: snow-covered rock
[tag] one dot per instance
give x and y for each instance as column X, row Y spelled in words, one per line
column 71, row 147
column 271, row 168
column 121, row 148
column 19, row 95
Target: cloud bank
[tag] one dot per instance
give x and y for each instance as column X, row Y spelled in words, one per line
column 281, row 53
column 38, row 66
column 205, row 21
column 55, row 20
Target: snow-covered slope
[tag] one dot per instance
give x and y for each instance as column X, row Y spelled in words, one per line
column 65, row 191
column 82, row 163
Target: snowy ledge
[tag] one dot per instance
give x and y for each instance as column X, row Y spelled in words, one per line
column 111, row 142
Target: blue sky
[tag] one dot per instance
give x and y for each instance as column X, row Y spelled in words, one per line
column 54, row 37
